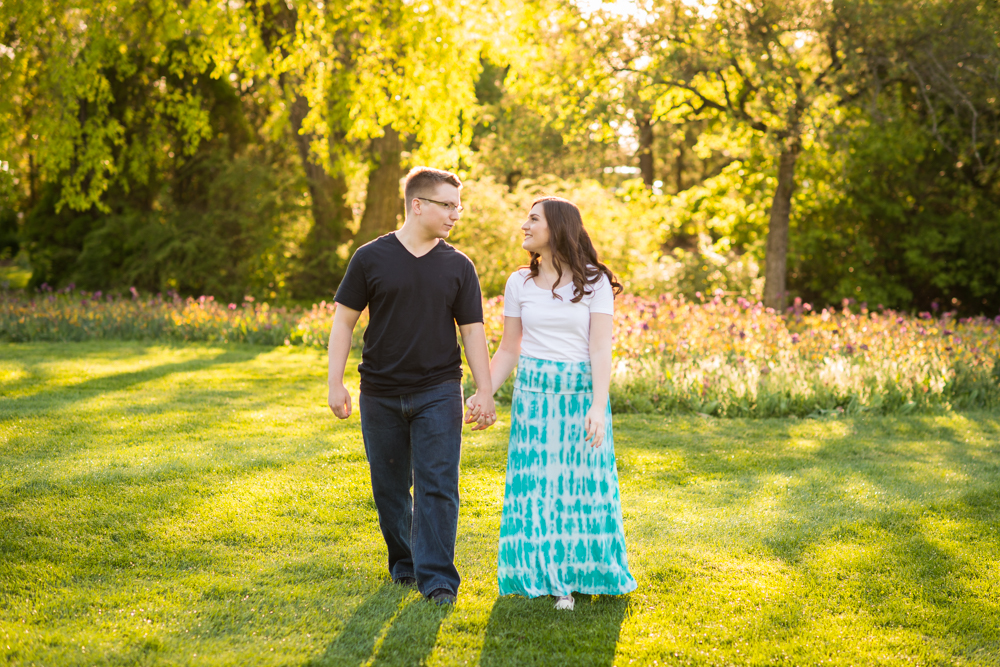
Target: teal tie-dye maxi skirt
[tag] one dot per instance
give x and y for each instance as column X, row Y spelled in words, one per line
column 561, row 529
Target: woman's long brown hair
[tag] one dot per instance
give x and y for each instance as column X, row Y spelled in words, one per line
column 571, row 247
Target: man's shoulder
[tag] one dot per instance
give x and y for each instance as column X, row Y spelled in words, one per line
column 376, row 253
column 453, row 254
column 386, row 242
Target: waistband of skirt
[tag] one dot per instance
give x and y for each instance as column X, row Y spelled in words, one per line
column 553, row 377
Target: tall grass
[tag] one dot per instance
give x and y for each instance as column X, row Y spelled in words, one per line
column 715, row 356
column 71, row 315
column 735, row 358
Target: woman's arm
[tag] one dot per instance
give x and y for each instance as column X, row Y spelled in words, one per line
column 505, row 358
column 600, row 368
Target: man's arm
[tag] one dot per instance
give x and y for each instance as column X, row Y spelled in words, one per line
column 344, row 319
column 478, row 356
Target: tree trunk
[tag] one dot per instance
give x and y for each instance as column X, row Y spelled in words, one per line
column 646, row 150
column 383, row 203
column 328, row 192
column 777, row 230
column 321, row 270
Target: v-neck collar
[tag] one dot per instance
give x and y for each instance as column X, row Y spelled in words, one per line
column 403, row 246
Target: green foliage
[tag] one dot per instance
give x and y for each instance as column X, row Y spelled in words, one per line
column 220, row 147
column 889, row 219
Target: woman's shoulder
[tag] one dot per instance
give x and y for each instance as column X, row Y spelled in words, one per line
column 517, row 279
column 519, row 276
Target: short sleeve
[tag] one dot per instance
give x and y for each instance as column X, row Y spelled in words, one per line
column 512, row 295
column 468, row 308
column 353, row 290
column 604, row 297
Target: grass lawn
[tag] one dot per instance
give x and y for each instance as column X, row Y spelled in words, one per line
column 200, row 505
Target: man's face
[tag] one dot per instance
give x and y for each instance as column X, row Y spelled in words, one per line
column 436, row 217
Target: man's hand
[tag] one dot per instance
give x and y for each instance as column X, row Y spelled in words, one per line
column 594, row 425
column 480, row 409
column 340, row 401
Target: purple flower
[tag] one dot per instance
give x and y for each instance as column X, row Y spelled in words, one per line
column 849, row 349
column 795, row 338
column 996, row 320
column 925, row 315
column 934, row 306
column 863, row 347
column 899, row 320
column 98, row 294
column 948, row 332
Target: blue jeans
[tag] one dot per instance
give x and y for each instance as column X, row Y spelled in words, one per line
column 417, row 439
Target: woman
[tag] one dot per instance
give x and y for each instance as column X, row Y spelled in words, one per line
column 561, row 529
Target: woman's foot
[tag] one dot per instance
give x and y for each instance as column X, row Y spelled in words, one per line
column 565, row 602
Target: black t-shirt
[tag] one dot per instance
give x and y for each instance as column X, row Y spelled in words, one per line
column 413, row 305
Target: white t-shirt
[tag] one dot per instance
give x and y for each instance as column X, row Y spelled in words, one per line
column 552, row 329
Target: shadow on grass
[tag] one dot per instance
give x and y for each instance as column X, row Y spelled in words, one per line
column 58, row 397
column 389, row 628
column 532, row 632
column 894, row 519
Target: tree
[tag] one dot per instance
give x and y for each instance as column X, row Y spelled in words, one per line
column 771, row 67
column 364, row 82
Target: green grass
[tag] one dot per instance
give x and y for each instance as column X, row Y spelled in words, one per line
column 199, row 505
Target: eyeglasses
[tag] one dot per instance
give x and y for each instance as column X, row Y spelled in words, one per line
column 448, row 205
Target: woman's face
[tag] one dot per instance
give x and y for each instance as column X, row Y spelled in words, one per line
column 536, row 230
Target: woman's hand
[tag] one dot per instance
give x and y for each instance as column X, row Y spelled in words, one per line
column 481, row 410
column 595, row 426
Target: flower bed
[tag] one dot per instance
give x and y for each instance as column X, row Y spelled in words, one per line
column 718, row 357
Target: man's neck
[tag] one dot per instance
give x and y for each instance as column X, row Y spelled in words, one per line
column 414, row 240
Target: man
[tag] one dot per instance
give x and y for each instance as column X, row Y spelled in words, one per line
column 416, row 287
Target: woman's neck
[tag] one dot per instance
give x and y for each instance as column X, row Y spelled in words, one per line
column 545, row 266
column 547, row 275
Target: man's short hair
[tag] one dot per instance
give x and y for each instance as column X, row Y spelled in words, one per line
column 422, row 181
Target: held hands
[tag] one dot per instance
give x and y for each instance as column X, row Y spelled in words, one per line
column 594, row 425
column 481, row 410
column 340, row 401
